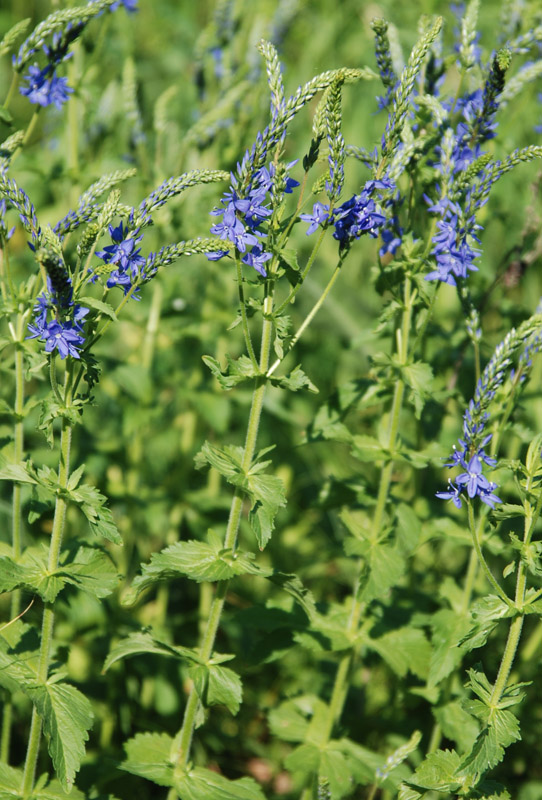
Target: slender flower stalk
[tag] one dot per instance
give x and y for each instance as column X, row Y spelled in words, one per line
column 340, row 685
column 47, row 629
column 16, row 524
column 183, row 740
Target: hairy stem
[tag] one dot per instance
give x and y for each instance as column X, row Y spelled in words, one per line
column 183, row 740
column 310, row 316
column 340, row 686
column 16, row 522
column 514, row 633
column 48, row 611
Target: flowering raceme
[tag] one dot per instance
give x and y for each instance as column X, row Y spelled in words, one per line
column 354, row 217
column 243, row 215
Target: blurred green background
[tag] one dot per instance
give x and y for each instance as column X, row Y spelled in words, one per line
column 179, row 86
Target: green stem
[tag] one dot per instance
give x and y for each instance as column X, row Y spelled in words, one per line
column 308, row 319
column 514, row 633
column 476, row 535
column 340, row 686
column 16, row 525
column 304, row 274
column 48, row 611
column 5, row 273
column 12, row 89
column 27, row 134
column 246, row 329
column 183, row 740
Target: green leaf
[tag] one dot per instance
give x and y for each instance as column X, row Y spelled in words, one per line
column 55, row 791
column 143, row 642
column 334, row 772
column 485, row 615
column 305, row 759
column 295, row 381
column 367, row 448
column 89, row 569
column 293, row 585
column 217, row 686
column 237, row 371
column 149, row 756
column 438, row 771
column 288, row 722
column 449, row 628
column 199, row 561
column 92, row 504
column 404, row 649
column 419, row 377
column 66, row 717
column 226, row 460
column 409, row 527
column 457, row 725
column 98, row 305
column 15, row 472
column 327, row 632
column 202, row 784
column 10, row 782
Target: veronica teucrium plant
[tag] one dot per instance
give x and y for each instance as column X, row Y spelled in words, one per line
column 305, row 562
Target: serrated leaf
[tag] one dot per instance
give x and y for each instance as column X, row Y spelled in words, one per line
column 217, row 685
column 15, row 472
column 66, row 717
column 328, row 631
column 202, row 784
column 295, row 381
column 199, row 561
column 142, row 643
column 98, row 305
column 54, row 790
column 89, row 569
column 419, row 377
column 99, row 516
column 293, row 585
column 237, row 370
column 457, row 725
column 438, row 771
column 227, row 461
column 384, row 566
column 149, row 756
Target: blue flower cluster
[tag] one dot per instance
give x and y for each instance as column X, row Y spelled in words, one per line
column 457, row 227
column 125, row 256
column 354, row 217
column 453, row 249
column 44, row 87
column 64, row 331
column 243, row 216
column 470, row 455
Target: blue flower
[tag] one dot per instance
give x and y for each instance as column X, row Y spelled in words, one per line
column 232, row 229
column 320, row 214
column 453, row 494
column 43, row 90
column 473, row 478
column 62, row 337
column 256, row 258
column 124, row 255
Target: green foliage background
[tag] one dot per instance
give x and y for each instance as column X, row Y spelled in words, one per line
column 150, row 96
